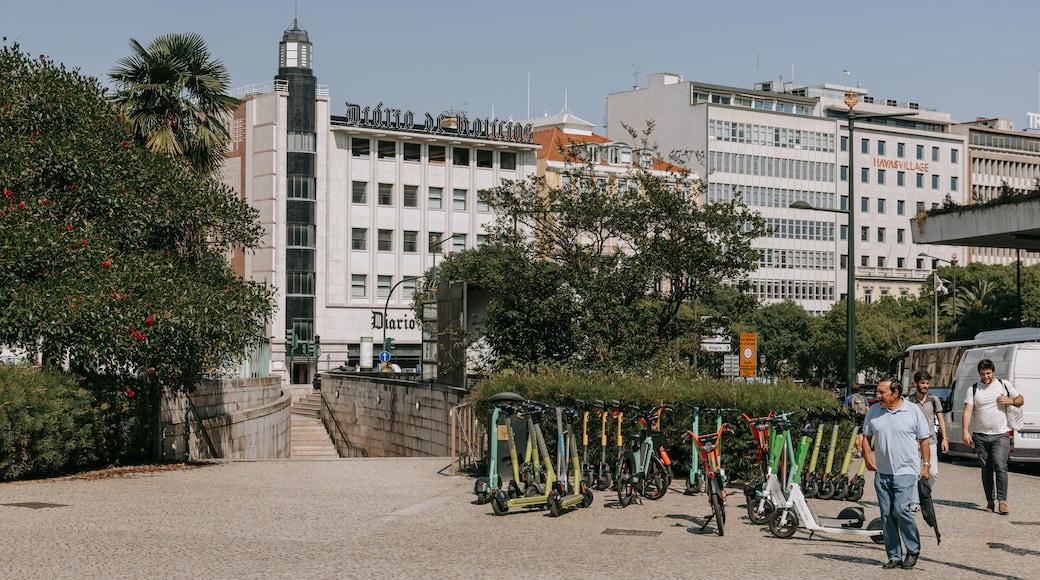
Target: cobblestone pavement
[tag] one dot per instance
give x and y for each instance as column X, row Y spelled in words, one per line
column 381, row 518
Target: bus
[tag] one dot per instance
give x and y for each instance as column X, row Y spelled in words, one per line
column 943, row 360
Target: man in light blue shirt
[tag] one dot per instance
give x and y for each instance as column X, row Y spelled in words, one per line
column 901, row 456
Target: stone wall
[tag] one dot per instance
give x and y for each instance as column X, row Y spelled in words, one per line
column 240, row 418
column 384, row 417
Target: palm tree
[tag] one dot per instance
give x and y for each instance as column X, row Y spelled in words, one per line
column 174, row 96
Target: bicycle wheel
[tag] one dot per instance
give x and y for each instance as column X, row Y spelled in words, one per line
column 759, row 510
column 655, row 484
column 785, row 529
column 719, row 511
column 626, row 489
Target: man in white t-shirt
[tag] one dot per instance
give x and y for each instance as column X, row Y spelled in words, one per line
column 984, row 427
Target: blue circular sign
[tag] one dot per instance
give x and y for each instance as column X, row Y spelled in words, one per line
column 384, row 356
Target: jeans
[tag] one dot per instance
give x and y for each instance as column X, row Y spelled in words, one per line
column 894, row 494
column 993, row 451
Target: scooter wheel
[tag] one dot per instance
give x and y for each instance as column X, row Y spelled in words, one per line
column 855, row 491
column 482, row 497
column 695, row 486
column 759, row 510
column 875, row 524
column 826, row 490
column 852, row 513
column 499, row 505
column 586, row 499
column 785, row 529
column 810, row 488
column 841, row 490
column 555, row 504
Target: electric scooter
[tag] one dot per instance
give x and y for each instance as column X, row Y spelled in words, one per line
column 604, row 477
column 502, row 403
column 784, row 522
column 565, row 493
column 502, row 501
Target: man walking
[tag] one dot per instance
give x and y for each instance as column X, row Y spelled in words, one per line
column 984, row 412
column 900, row 434
column 931, row 406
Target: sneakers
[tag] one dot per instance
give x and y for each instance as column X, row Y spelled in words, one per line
column 910, row 561
column 1002, row 509
column 892, row 564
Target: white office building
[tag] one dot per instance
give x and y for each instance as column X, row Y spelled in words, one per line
column 782, row 143
column 358, row 201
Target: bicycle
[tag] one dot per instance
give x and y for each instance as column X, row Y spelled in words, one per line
column 642, row 470
column 708, row 446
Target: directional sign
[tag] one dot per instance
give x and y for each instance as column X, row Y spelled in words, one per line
column 715, row 347
column 384, row 356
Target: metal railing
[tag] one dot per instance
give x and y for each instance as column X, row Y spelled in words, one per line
column 468, row 438
column 188, row 411
column 355, row 451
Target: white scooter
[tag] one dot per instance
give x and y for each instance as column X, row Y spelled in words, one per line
column 783, row 523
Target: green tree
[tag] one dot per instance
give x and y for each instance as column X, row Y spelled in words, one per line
column 113, row 258
column 623, row 263
column 174, row 96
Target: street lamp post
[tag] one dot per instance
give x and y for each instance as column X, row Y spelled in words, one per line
column 953, row 282
column 850, row 296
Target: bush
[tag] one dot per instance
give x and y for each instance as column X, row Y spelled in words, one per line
column 682, row 390
column 47, row 423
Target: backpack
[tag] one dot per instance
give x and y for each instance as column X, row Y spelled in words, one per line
column 859, row 404
column 1015, row 415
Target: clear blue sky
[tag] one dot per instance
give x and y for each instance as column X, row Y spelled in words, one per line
column 963, row 57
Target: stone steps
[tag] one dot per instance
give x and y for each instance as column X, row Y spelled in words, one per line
column 310, row 439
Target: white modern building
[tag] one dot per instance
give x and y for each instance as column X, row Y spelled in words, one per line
column 782, row 143
column 358, row 201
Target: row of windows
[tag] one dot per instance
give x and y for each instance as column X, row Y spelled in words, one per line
column 770, row 166
column 410, row 196
column 882, row 205
column 300, row 142
column 789, row 229
column 755, row 196
column 770, row 136
column 409, row 241
column 804, row 259
column 881, row 177
column 362, row 148
column 880, row 233
column 384, row 284
column 1016, row 143
column 793, row 290
column 882, row 148
column 1010, row 169
column 882, row 262
column 753, row 103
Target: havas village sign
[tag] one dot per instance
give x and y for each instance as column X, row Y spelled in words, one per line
column 487, row 128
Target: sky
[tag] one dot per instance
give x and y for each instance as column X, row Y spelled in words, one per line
column 532, row 58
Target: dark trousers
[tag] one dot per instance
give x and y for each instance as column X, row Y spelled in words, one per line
column 993, row 451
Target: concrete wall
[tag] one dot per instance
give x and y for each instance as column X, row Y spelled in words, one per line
column 243, row 418
column 383, row 417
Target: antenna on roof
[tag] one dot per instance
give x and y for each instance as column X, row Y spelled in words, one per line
column 528, row 94
column 635, row 76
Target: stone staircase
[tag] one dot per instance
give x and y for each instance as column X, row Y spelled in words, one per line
column 310, row 440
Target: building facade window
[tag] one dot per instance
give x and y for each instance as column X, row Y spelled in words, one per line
column 864, row 234
column 507, row 160
column 844, row 172
column 385, row 241
column 460, row 156
column 358, row 285
column 901, row 207
column 953, row 183
column 920, row 152
column 485, row 158
column 844, row 143
column 383, row 285
column 438, row 154
column 360, row 147
column 412, row 151
column 880, row 148
column 901, row 178
column 920, row 180
column 407, row 289
column 935, row 153
column 359, row 191
column 881, row 176
column 410, row 243
column 864, row 204
column 433, row 242
column 935, row 182
column 458, row 199
column 458, row 243
column 435, row 196
column 901, row 236
column 900, row 150
column 358, row 239
column 881, row 235
column 881, row 205
column 386, row 194
column 864, row 175
column 953, row 156
column 411, row 196
column 864, row 146
column 386, row 149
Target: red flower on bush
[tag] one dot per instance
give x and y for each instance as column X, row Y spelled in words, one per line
column 126, row 143
column 115, row 295
column 106, row 263
column 68, row 227
column 21, row 205
column 8, row 193
column 150, row 320
column 83, row 243
column 74, row 186
column 129, row 392
column 45, row 201
column 138, row 335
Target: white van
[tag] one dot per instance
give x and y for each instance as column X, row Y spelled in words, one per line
column 1017, row 363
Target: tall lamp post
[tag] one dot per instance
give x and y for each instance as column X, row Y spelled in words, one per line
column 953, row 282
column 850, row 297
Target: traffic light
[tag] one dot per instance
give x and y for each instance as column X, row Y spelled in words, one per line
column 388, row 344
column 291, row 340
